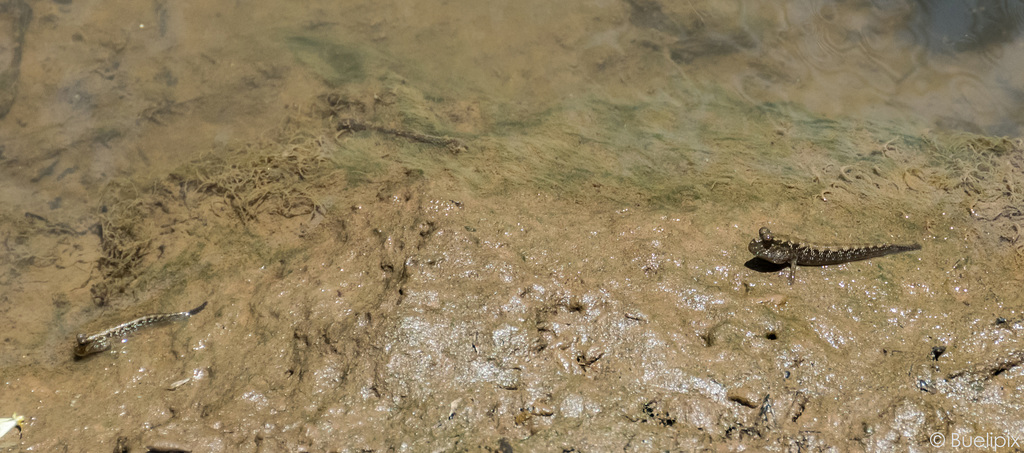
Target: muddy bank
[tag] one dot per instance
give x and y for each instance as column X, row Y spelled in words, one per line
column 557, row 286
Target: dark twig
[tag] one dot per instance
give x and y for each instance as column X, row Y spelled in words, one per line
column 454, row 145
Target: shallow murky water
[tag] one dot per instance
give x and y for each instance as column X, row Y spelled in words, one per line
column 473, row 226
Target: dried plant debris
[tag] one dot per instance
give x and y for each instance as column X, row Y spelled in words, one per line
column 272, row 177
column 122, row 243
column 252, row 180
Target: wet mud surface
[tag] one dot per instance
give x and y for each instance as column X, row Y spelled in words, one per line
column 393, row 264
column 384, row 304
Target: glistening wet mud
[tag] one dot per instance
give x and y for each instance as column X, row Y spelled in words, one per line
column 372, row 292
column 517, row 227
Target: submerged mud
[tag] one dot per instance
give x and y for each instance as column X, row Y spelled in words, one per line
column 368, row 292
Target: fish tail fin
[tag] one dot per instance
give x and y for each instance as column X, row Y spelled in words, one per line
column 198, row 309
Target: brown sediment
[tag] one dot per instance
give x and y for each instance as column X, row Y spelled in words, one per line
column 575, row 283
column 509, row 319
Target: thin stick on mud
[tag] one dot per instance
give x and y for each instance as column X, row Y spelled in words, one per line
column 454, row 145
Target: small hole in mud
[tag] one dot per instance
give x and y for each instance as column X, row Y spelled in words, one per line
column 708, row 339
column 575, row 306
column 771, row 336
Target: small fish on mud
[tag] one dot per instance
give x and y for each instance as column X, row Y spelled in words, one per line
column 785, row 250
column 98, row 342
